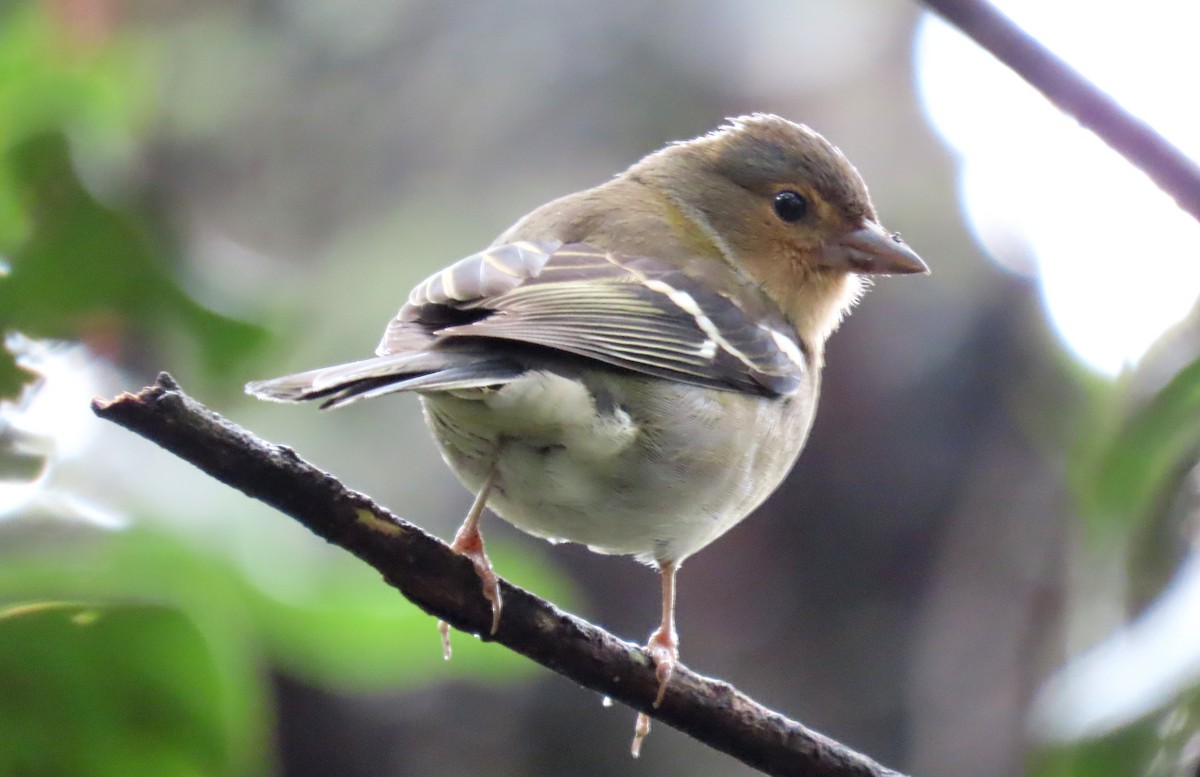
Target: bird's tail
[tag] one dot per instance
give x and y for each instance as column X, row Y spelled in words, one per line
column 421, row 371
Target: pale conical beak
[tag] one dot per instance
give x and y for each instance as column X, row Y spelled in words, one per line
column 871, row 250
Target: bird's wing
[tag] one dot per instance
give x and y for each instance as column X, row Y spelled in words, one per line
column 635, row 313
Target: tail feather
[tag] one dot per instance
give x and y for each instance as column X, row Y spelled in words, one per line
column 423, row 371
column 451, row 379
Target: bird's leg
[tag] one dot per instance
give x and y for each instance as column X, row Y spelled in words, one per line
column 469, row 542
column 663, row 648
column 664, row 642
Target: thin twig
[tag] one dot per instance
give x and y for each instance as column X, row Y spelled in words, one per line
column 1169, row 168
column 444, row 584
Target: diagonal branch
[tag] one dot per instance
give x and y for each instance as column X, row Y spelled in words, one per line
column 1169, row 168
column 442, row 583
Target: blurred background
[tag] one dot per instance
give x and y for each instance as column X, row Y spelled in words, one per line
column 983, row 564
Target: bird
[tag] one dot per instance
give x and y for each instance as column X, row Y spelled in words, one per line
column 636, row 366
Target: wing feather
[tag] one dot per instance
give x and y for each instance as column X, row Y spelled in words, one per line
column 634, row 313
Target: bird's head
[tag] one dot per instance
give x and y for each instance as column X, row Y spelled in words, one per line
column 788, row 209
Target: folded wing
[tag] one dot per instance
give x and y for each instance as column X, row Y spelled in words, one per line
column 485, row 319
column 634, row 313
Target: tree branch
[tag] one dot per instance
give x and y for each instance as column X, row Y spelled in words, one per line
column 444, row 584
column 1169, row 168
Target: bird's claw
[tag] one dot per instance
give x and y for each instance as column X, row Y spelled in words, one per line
column 444, row 630
column 640, row 730
column 470, row 544
column 488, row 578
column 663, row 648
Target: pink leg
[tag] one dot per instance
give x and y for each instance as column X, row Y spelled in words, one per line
column 663, row 647
column 469, row 542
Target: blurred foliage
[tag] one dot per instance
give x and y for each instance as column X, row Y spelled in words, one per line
column 139, row 651
column 189, row 623
column 1152, row 450
column 1136, row 481
column 1132, row 478
column 46, row 84
column 120, row 689
column 88, row 270
column 1165, row 744
column 77, row 267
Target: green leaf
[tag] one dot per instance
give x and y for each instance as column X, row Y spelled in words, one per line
column 148, row 569
column 90, row 270
column 47, row 83
column 1150, row 454
column 320, row 614
column 114, row 689
column 1160, row 743
column 19, row 465
column 80, row 268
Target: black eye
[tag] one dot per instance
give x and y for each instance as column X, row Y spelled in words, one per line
column 790, row 206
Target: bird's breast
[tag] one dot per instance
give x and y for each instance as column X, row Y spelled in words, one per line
column 624, row 464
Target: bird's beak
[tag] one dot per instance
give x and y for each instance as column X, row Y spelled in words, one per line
column 871, row 250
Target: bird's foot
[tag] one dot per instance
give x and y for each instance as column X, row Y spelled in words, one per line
column 640, row 730
column 663, row 648
column 469, row 543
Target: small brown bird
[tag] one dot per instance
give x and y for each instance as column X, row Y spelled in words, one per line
column 636, row 366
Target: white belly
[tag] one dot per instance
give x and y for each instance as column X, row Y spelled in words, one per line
column 598, row 462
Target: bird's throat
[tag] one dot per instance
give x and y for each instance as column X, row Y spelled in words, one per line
column 817, row 306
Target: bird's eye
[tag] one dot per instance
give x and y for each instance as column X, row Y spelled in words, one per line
column 790, row 206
